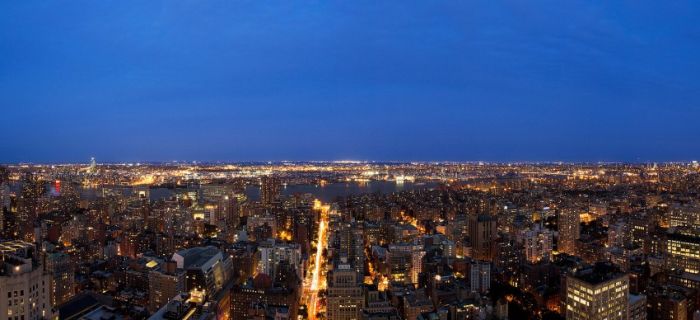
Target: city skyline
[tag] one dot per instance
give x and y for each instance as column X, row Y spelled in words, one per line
column 240, row 81
column 349, row 160
column 350, row 240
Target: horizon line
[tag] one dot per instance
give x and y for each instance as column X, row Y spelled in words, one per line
column 345, row 161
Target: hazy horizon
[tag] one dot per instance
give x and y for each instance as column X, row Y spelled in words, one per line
column 260, row 162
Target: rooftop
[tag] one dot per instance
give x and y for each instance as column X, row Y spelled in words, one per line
column 599, row 273
column 198, row 256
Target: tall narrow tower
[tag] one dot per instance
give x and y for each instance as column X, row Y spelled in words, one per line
column 270, row 189
column 93, row 165
column 569, row 230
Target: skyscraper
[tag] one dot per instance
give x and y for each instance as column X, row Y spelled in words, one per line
column 29, row 201
column 480, row 276
column 569, row 230
column 416, row 264
column 61, row 270
column 482, row 232
column 350, row 242
column 4, row 190
column 270, row 188
column 4, row 202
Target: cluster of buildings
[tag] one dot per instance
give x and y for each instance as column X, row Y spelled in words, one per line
column 491, row 241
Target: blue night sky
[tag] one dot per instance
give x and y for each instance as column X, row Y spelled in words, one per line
column 371, row 80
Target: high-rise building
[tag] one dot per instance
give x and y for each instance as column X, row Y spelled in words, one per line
column 206, row 268
column 272, row 253
column 399, row 263
column 4, row 203
column 637, row 307
column 261, row 290
column 416, row 304
column 537, row 244
column 60, row 267
column 345, row 295
column 376, row 301
column 669, row 303
column 230, row 211
column 569, row 230
column 598, row 292
column 482, row 233
column 416, row 265
column 684, row 216
column 618, row 234
column 683, row 250
column 4, row 196
column 164, row 284
column 270, row 189
column 349, row 239
column 262, row 227
column 480, row 276
column 4, row 174
column 405, row 262
column 509, row 259
column 25, row 290
column 29, row 202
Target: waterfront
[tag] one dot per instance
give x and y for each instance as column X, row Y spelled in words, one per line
column 326, row 193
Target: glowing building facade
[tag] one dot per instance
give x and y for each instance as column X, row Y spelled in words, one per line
column 597, row 293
